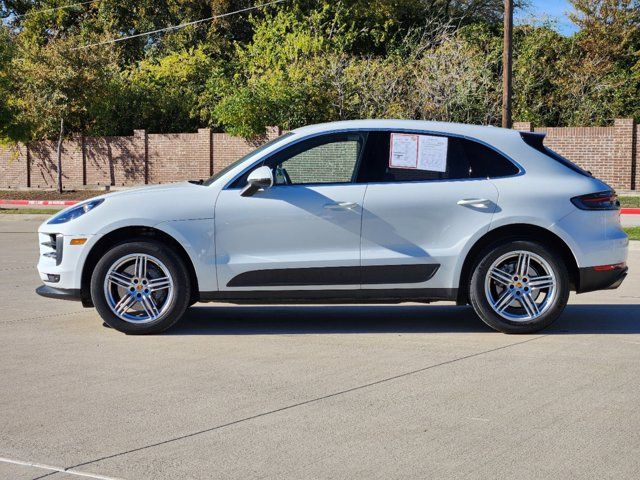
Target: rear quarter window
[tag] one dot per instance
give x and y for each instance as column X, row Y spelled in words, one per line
column 536, row 140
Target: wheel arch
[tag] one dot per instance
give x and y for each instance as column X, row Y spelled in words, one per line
column 121, row 235
column 518, row 231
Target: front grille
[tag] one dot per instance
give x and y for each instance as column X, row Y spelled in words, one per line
column 53, row 247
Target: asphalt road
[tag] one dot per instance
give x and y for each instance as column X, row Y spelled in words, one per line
column 357, row 392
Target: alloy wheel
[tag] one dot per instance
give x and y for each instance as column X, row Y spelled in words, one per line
column 520, row 286
column 138, row 288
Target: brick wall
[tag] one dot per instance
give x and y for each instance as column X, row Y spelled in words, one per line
column 227, row 149
column 43, row 164
column 13, row 166
column 179, row 156
column 609, row 152
column 115, row 160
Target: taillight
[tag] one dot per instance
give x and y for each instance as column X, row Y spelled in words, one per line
column 597, row 201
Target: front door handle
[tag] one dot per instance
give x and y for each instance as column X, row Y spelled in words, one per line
column 476, row 202
column 341, row 206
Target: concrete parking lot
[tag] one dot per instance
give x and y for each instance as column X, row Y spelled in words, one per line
column 406, row 391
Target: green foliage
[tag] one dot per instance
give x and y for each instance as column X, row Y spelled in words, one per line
column 304, row 62
column 277, row 79
column 7, row 111
column 162, row 95
column 54, row 82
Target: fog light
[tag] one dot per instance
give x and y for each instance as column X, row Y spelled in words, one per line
column 53, row 278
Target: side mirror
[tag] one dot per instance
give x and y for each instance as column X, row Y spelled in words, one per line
column 261, row 177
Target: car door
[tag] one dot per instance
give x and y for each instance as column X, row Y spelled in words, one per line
column 415, row 221
column 303, row 233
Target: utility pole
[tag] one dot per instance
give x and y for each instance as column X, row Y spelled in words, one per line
column 506, row 63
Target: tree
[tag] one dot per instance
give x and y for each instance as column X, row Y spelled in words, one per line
column 7, row 110
column 58, row 85
column 609, row 38
column 162, row 95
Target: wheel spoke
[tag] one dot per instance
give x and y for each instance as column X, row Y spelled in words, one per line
column 523, row 264
column 150, row 308
column 120, row 279
column 542, row 281
column 500, row 276
column 126, row 302
column 530, row 305
column 141, row 266
column 503, row 301
column 159, row 284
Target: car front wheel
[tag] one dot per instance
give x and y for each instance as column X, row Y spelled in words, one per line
column 519, row 287
column 140, row 287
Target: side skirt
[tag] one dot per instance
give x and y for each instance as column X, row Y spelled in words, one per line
column 300, row 297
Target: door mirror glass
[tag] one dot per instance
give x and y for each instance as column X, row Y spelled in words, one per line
column 260, row 178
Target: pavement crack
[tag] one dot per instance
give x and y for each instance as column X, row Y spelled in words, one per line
column 306, row 402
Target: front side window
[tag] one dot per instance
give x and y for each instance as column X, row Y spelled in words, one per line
column 331, row 158
column 326, row 159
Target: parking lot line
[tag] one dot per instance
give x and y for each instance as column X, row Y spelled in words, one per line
column 55, row 469
column 313, row 400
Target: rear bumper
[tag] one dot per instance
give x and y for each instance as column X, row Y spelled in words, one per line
column 60, row 293
column 592, row 279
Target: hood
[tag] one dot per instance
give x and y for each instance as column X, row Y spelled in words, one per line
column 151, row 189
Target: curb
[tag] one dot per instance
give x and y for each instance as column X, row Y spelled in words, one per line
column 630, row 211
column 39, row 202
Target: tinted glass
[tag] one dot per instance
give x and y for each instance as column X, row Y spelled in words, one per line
column 323, row 159
column 330, row 162
column 466, row 159
column 535, row 140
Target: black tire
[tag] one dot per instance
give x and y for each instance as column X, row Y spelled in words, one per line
column 176, row 269
column 481, row 303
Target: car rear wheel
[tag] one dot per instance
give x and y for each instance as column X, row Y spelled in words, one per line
column 140, row 287
column 519, row 286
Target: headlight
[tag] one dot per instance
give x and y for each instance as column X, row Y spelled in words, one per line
column 75, row 212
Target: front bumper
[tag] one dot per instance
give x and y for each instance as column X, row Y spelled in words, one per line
column 60, row 293
column 60, row 267
column 592, row 278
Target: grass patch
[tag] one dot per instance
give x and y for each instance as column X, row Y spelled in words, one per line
column 49, row 194
column 32, row 211
column 633, row 232
column 629, row 202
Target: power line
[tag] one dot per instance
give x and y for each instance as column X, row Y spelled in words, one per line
column 33, row 12
column 176, row 27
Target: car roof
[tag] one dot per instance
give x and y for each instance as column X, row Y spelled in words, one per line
column 485, row 133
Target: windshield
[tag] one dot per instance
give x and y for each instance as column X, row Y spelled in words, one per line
column 250, row 154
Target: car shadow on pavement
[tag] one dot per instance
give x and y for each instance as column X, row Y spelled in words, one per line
column 330, row 319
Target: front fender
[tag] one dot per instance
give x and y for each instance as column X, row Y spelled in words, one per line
column 197, row 239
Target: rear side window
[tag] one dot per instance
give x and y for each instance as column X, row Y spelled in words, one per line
column 535, row 140
column 466, row 159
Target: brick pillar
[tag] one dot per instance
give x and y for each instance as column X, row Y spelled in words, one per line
column 83, row 147
column 624, row 153
column 523, row 126
column 272, row 132
column 140, row 137
column 204, row 139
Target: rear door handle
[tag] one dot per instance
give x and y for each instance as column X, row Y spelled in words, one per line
column 478, row 202
column 340, row 206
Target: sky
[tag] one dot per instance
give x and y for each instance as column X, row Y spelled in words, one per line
column 555, row 10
